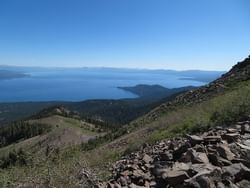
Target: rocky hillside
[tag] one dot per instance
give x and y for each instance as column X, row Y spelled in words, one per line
column 217, row 158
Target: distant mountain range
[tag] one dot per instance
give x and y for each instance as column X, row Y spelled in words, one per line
column 197, row 75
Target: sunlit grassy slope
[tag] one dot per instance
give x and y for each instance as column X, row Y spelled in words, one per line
column 64, row 132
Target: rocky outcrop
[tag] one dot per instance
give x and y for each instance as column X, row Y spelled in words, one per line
column 217, row 158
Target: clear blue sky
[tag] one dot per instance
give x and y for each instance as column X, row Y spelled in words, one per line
column 169, row 34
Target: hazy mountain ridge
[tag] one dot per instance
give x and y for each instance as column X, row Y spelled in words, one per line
column 198, row 75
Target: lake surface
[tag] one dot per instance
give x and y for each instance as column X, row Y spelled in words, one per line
column 82, row 84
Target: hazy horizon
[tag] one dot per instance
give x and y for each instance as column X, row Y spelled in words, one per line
column 102, row 67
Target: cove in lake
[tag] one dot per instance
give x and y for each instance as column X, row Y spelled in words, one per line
column 86, row 83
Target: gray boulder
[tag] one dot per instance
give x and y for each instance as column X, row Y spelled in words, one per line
column 225, row 152
column 237, row 172
column 175, row 177
column 193, row 139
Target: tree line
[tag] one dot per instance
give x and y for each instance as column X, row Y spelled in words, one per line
column 20, row 130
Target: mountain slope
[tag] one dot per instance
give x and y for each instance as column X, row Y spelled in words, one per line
column 54, row 133
column 215, row 158
column 219, row 113
column 194, row 111
column 238, row 74
column 221, row 103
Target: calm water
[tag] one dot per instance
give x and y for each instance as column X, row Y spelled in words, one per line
column 77, row 85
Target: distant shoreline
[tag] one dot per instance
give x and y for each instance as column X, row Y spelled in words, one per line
column 8, row 75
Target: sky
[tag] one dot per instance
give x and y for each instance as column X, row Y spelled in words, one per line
column 152, row 34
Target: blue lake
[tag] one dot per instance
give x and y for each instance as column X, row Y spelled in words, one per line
column 82, row 84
